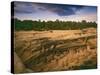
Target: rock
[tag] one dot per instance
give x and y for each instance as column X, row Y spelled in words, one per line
column 18, row 65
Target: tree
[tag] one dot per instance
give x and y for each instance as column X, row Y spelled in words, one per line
column 52, row 25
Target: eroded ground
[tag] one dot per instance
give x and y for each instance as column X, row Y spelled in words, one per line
column 55, row 50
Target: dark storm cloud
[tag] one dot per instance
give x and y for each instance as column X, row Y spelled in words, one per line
column 60, row 10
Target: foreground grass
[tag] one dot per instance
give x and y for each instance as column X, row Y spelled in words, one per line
column 40, row 52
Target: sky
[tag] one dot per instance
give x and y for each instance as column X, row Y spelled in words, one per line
column 45, row 11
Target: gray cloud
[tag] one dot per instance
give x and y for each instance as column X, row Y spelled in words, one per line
column 59, row 9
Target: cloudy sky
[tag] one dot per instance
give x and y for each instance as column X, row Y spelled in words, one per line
column 36, row 11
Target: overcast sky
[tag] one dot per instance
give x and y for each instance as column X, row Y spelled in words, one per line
column 42, row 11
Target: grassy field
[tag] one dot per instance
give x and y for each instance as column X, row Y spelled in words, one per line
column 55, row 50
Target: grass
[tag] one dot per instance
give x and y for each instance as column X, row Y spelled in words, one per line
column 42, row 51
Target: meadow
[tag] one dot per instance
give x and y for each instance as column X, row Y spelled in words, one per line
column 55, row 50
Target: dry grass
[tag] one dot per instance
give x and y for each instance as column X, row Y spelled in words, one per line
column 48, row 51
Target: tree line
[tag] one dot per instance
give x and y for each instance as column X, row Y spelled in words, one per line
column 51, row 25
